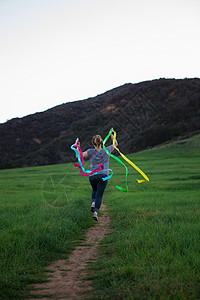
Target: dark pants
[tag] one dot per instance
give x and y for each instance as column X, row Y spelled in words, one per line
column 98, row 186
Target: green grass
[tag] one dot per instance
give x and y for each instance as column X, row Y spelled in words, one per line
column 154, row 249
column 41, row 217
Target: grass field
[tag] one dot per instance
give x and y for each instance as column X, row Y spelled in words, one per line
column 42, row 214
column 154, row 249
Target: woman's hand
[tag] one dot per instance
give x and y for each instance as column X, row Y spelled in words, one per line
column 78, row 143
column 112, row 137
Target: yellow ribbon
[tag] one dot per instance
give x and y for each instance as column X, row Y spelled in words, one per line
column 130, row 162
column 117, row 159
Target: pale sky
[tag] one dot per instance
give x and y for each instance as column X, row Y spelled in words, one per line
column 56, row 51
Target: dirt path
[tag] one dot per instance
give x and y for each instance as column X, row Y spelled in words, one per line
column 66, row 280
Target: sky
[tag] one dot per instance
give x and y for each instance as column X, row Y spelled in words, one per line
column 57, row 51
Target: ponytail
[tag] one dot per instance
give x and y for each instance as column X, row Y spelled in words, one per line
column 97, row 140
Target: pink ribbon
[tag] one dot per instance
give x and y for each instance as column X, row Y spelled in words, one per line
column 83, row 163
column 92, row 172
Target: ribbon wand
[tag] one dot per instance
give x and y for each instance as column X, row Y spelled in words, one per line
column 146, row 179
column 119, row 160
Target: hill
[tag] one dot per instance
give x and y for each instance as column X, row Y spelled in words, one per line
column 144, row 115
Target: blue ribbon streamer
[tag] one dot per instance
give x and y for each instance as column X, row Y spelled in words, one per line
column 88, row 171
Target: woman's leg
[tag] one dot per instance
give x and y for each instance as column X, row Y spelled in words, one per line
column 101, row 185
column 93, row 182
column 94, row 196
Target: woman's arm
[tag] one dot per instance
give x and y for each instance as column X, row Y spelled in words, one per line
column 85, row 154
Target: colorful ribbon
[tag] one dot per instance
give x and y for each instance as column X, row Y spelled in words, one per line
column 101, row 168
column 117, row 159
column 82, row 163
column 125, row 158
column 130, row 162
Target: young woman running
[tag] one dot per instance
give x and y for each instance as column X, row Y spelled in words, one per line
column 96, row 156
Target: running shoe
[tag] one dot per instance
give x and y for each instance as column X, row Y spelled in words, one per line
column 95, row 217
column 92, row 206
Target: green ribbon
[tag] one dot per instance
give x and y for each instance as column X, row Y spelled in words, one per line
column 117, row 159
